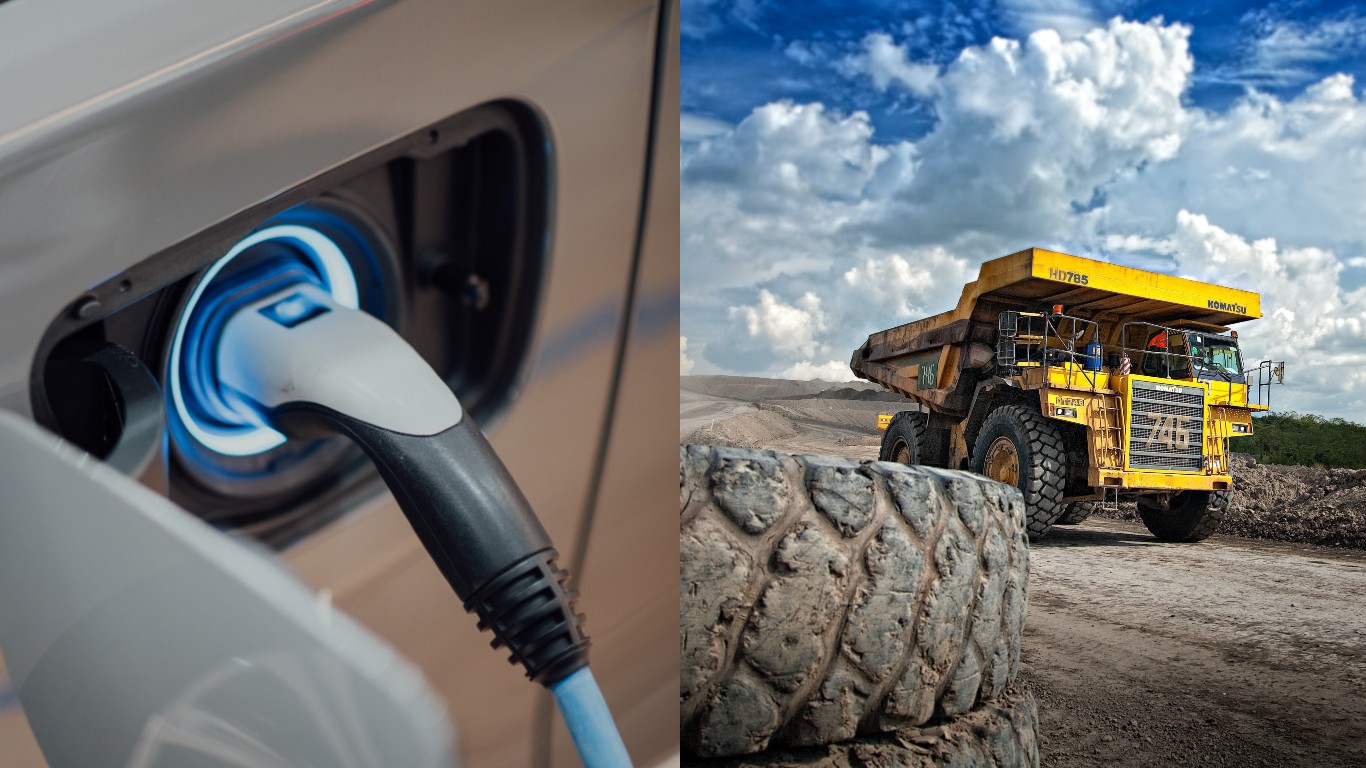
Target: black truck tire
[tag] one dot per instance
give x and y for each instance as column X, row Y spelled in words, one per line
column 1076, row 512
column 1000, row 734
column 909, row 440
column 1189, row 516
column 1041, row 461
column 822, row 599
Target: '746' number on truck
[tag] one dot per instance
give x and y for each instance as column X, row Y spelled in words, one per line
column 1172, row 431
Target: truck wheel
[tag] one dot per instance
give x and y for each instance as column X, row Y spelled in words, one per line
column 1019, row 447
column 905, row 441
column 909, row 440
column 821, row 599
column 1076, row 512
column 1186, row 516
column 1002, row 734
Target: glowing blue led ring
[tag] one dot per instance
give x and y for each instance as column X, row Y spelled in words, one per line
column 339, row 280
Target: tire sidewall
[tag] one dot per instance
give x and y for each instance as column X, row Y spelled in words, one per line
column 1041, row 477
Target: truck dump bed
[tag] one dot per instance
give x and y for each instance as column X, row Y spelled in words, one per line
column 939, row 359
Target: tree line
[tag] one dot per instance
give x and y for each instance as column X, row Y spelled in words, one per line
column 1306, row 440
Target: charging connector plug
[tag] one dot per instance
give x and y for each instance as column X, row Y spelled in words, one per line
column 309, row 367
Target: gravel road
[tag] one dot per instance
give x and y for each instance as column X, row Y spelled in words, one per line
column 1230, row 652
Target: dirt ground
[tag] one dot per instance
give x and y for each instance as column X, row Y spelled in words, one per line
column 1230, row 652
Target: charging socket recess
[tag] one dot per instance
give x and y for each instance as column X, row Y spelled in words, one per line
column 454, row 219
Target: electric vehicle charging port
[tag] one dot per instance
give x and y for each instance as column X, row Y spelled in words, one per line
column 326, row 243
column 474, row 188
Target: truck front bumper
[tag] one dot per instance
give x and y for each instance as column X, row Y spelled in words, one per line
column 1161, row 481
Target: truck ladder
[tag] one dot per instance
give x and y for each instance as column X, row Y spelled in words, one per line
column 1217, row 432
column 1109, row 500
column 1108, row 423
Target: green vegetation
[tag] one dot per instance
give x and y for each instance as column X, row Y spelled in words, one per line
column 1306, row 440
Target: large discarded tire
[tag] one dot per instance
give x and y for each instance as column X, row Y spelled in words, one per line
column 1040, row 461
column 821, row 599
column 1076, row 512
column 1188, row 516
column 1000, row 734
column 908, row 440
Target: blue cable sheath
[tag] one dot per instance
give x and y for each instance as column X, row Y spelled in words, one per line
column 590, row 724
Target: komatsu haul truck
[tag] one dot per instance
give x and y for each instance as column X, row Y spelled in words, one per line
column 1082, row 383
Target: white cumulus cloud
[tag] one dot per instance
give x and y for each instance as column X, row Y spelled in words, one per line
column 1309, row 320
column 1030, row 133
column 831, row 371
column 697, row 128
column 785, row 152
column 886, row 63
column 895, row 288
column 780, row 327
column 1067, row 17
column 1292, row 169
column 685, row 363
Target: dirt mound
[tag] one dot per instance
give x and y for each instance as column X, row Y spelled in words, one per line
column 851, row 414
column 817, row 426
column 852, row 393
column 757, row 429
column 1287, row 503
column 754, row 388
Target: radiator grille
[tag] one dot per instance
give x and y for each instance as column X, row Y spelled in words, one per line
column 1166, row 427
column 1187, row 395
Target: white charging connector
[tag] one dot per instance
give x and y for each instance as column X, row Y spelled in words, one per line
column 307, row 366
column 298, row 345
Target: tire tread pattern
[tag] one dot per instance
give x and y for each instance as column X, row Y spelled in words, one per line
column 1003, row 733
column 1076, row 512
column 1196, row 519
column 821, row 599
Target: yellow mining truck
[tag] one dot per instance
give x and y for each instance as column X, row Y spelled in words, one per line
column 1083, row 383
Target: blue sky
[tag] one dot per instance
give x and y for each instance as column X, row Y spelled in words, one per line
column 847, row 166
column 736, row 56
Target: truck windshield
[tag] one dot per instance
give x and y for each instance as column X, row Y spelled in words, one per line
column 1216, row 356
